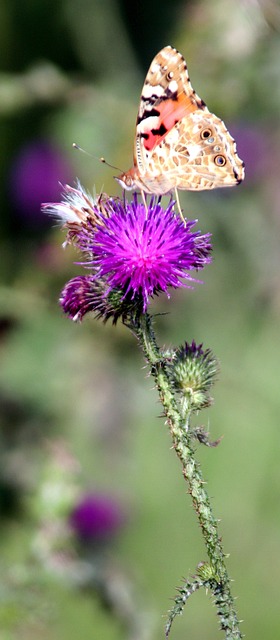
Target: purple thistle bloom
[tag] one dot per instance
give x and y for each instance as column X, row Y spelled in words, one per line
column 85, row 293
column 146, row 251
column 78, row 297
column 134, row 252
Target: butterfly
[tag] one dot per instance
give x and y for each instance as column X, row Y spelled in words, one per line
column 179, row 143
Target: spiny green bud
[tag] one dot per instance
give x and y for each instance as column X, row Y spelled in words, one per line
column 206, row 572
column 193, row 372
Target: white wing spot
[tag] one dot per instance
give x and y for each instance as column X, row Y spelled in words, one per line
column 194, row 150
column 173, row 86
column 147, row 124
column 149, row 90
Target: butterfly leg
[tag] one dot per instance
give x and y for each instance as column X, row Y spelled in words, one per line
column 179, row 206
column 145, row 202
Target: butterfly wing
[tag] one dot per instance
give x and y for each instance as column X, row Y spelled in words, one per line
column 167, row 96
column 178, row 142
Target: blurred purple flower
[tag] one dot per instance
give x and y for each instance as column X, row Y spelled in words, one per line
column 96, row 518
column 35, row 175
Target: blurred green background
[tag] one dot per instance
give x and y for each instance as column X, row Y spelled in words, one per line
column 78, row 415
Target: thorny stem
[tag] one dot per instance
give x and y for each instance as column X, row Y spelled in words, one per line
column 182, row 443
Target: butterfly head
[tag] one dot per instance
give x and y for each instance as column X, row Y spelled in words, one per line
column 127, row 180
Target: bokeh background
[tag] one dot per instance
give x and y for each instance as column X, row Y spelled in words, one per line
column 96, row 527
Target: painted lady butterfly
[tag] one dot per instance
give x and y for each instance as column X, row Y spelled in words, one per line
column 179, row 144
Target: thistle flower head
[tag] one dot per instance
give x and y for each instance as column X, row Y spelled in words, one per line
column 193, row 372
column 133, row 251
column 85, row 293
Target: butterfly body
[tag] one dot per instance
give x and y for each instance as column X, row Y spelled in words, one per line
column 179, row 143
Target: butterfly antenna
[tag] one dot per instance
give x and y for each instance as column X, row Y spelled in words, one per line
column 77, row 146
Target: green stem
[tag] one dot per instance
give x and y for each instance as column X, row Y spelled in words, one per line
column 182, row 442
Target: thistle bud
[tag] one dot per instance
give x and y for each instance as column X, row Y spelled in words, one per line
column 193, row 372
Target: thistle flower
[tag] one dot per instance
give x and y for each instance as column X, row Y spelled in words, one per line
column 133, row 251
column 85, row 293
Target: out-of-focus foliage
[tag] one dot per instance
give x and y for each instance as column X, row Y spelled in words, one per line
column 73, row 71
